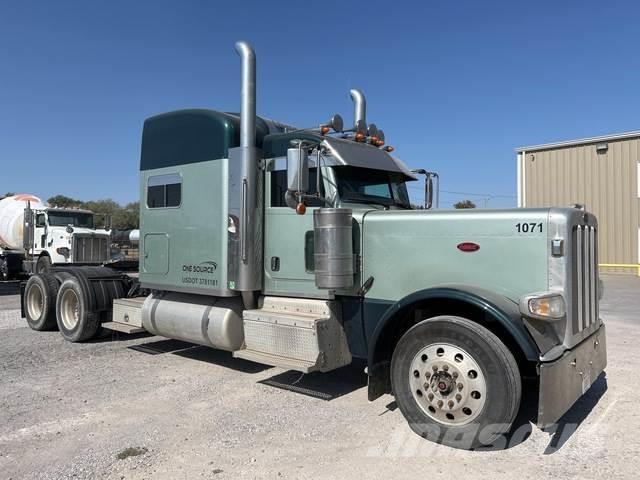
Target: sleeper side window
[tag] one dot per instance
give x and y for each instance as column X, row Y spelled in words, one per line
column 164, row 191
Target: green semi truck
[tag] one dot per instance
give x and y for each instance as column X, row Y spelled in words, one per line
column 299, row 248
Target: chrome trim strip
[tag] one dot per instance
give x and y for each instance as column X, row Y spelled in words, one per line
column 579, row 267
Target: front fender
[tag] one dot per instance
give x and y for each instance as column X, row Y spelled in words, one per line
column 496, row 306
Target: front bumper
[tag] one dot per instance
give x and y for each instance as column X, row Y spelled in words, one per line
column 565, row 380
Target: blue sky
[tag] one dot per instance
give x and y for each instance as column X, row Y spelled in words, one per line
column 455, row 85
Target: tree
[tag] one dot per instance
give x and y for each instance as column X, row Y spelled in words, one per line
column 127, row 218
column 464, row 204
column 121, row 219
column 64, row 202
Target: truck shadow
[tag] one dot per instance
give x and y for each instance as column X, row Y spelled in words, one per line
column 9, row 288
column 200, row 353
column 570, row 421
column 324, row 386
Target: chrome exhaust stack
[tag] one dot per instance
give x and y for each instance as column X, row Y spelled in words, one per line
column 360, row 110
column 247, row 95
column 245, row 248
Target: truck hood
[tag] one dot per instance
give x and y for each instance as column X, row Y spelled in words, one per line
column 410, row 250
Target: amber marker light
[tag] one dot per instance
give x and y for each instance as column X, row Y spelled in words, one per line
column 389, row 149
column 360, row 137
column 301, row 209
column 324, row 130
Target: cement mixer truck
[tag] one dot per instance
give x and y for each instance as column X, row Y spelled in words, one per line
column 35, row 236
column 299, row 248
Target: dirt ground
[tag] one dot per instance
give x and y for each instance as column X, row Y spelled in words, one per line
column 145, row 407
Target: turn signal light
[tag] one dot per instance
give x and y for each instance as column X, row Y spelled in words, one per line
column 301, row 209
column 548, row 307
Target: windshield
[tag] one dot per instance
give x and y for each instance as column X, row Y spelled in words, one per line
column 364, row 185
column 75, row 219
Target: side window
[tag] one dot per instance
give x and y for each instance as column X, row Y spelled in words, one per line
column 279, row 188
column 164, row 191
column 40, row 220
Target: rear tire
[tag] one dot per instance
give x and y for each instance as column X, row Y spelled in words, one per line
column 455, row 382
column 40, row 295
column 75, row 321
column 43, row 265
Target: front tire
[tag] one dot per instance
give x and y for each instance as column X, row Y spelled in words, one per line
column 455, row 382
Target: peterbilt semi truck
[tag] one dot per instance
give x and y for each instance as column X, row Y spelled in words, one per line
column 34, row 236
column 299, row 248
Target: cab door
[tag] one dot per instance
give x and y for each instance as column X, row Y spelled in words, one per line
column 288, row 246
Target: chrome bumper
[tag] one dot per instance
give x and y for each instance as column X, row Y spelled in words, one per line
column 566, row 379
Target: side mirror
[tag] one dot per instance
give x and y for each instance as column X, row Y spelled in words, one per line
column 428, row 193
column 28, row 236
column 429, row 188
column 297, row 170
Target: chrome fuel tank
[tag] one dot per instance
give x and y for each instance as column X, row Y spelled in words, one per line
column 210, row 321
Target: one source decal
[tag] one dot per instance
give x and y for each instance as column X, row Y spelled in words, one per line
column 200, row 274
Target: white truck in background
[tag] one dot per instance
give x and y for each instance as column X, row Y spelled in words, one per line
column 34, row 236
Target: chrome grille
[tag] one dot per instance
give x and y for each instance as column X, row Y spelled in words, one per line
column 585, row 297
column 90, row 249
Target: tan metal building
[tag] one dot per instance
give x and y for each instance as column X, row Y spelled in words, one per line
column 602, row 173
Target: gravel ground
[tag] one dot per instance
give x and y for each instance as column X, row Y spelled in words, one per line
column 145, row 407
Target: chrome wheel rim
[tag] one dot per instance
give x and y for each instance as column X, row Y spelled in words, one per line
column 35, row 301
column 69, row 309
column 447, row 384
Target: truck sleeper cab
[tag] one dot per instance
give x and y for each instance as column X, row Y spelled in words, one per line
column 300, row 249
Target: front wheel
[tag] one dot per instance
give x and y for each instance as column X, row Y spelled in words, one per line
column 455, row 382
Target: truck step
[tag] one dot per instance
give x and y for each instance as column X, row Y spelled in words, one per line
column 296, row 306
column 122, row 327
column 275, row 360
column 299, row 334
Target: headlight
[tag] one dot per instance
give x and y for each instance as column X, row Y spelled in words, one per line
column 544, row 306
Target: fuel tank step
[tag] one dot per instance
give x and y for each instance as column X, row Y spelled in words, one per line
column 298, row 334
column 275, row 361
column 122, row 327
